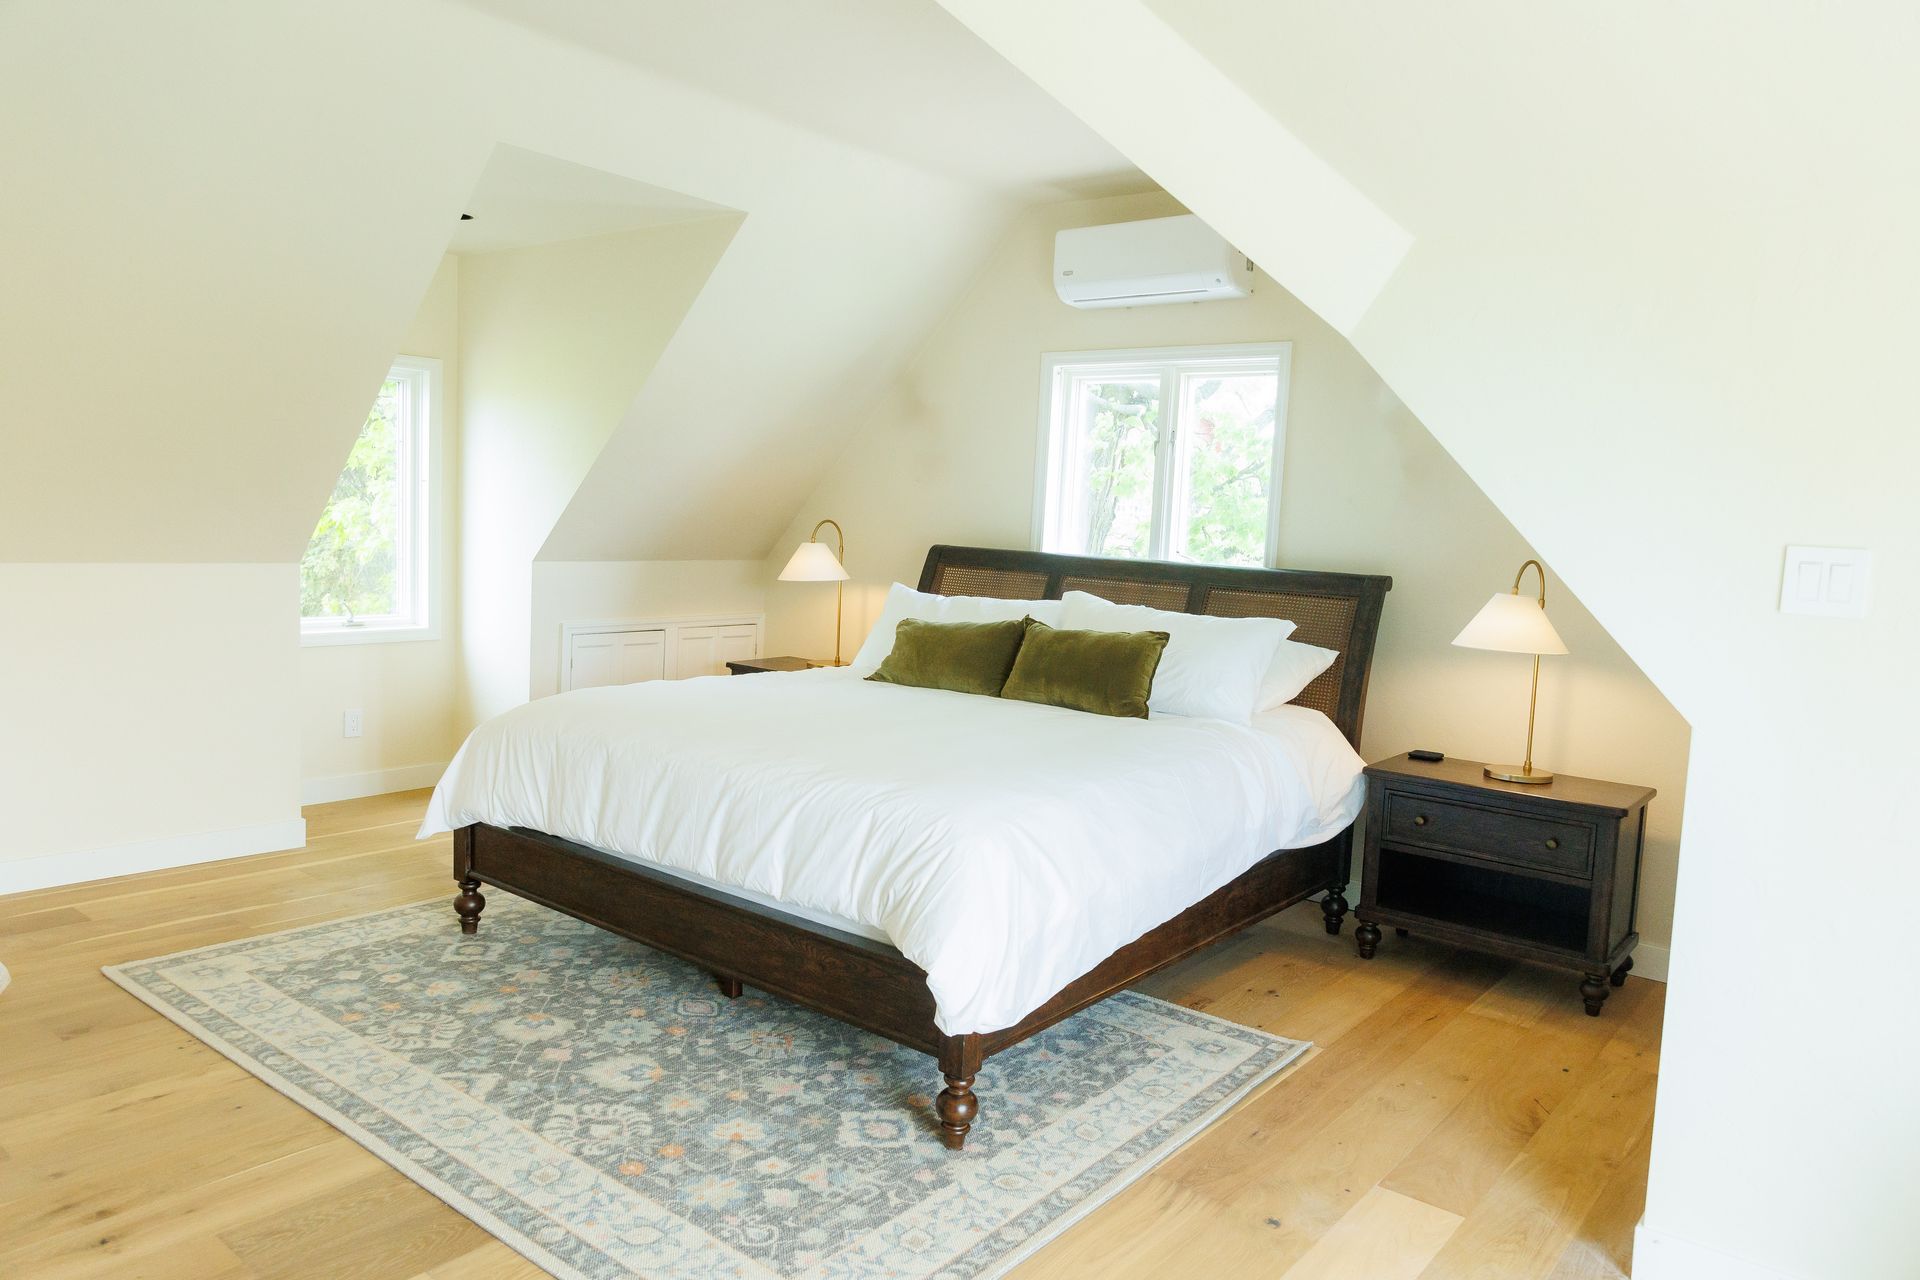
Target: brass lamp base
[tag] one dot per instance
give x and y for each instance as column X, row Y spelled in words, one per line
column 1518, row 773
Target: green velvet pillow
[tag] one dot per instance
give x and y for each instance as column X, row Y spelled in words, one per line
column 965, row 657
column 1109, row 673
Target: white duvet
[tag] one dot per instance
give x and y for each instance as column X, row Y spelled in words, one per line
column 1004, row 847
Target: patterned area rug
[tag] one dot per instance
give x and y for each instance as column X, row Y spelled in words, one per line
column 602, row 1109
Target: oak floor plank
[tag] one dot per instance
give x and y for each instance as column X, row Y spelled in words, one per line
column 1602, row 1248
column 1529, row 1216
column 371, row 1228
column 1453, row 1167
column 491, row 1261
column 1387, row 1236
column 129, row 1148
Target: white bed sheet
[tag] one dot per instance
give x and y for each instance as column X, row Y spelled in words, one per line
column 1004, row 847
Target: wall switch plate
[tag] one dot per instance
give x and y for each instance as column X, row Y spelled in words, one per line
column 1828, row 582
column 350, row 723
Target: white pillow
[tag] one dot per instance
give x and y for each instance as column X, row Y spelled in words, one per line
column 1211, row 667
column 1295, row 666
column 904, row 602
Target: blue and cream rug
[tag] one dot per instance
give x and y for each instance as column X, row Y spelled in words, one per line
column 602, row 1109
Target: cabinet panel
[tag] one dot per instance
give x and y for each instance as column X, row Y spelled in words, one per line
column 705, row 650
column 643, row 656
column 597, row 658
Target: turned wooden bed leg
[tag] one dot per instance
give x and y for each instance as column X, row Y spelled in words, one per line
column 957, row 1107
column 729, row 987
column 469, row 905
column 1334, row 907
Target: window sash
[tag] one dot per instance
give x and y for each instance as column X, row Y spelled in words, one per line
column 1060, row 494
column 416, row 380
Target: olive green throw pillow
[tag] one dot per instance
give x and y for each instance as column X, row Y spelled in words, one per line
column 1109, row 673
column 965, row 657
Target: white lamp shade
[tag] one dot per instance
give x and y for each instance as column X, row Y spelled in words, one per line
column 813, row 562
column 1511, row 623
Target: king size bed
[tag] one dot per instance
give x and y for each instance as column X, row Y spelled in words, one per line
column 949, row 871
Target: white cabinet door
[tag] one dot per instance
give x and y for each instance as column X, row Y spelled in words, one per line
column 705, row 651
column 616, row 657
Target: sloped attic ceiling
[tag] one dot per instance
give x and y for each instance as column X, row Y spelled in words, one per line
column 898, row 77
column 236, row 209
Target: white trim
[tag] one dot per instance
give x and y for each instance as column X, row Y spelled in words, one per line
column 322, row 636
column 377, row 782
column 1055, row 368
column 421, row 468
column 1650, row 962
column 1659, row 1256
column 671, row 626
column 77, row 866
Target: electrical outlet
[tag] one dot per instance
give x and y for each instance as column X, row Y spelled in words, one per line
column 350, row 723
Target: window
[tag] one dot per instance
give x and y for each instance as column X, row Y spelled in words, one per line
column 1171, row 455
column 366, row 575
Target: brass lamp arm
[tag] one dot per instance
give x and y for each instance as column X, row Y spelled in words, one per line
column 1535, row 565
column 840, row 542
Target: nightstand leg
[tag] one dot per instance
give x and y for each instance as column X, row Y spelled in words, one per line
column 1593, row 989
column 1367, row 934
column 1619, row 977
column 1334, row 908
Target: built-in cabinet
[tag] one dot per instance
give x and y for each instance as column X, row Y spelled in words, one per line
column 602, row 653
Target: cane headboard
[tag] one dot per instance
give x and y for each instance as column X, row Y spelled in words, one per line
column 1339, row 611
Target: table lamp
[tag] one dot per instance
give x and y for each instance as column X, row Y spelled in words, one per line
column 1512, row 623
column 812, row 562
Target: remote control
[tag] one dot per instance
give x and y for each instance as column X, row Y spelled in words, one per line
column 1431, row 757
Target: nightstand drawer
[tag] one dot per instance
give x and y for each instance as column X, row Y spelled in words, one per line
column 1497, row 836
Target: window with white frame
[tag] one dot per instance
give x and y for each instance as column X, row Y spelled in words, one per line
column 1170, row 455
column 367, row 573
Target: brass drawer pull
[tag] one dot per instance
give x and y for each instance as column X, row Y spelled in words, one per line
column 1420, row 820
column 1552, row 843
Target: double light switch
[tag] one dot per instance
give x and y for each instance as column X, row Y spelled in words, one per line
column 1826, row 581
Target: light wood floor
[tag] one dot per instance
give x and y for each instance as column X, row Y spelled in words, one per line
column 1459, row 1117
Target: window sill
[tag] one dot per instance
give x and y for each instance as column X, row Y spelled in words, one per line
column 321, row 637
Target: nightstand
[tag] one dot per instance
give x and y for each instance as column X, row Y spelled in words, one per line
column 753, row 666
column 1544, row 873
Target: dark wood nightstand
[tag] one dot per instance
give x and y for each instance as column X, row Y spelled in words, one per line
column 1545, row 873
column 753, row 666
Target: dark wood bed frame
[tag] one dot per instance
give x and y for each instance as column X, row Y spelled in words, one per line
column 870, row 984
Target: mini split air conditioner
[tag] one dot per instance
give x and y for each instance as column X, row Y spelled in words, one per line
column 1142, row 264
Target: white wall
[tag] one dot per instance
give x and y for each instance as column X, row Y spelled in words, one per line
column 1659, row 305
column 621, row 590
column 554, row 342
column 407, row 691
column 199, row 301
column 949, row 457
column 141, row 704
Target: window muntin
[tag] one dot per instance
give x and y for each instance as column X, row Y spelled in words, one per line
column 1170, row 454
column 366, row 573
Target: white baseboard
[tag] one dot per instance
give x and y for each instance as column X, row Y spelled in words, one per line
column 356, row 786
column 1648, row 961
column 1659, row 1256
column 76, row 866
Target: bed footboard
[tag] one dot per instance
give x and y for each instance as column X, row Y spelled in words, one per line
column 857, row 980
